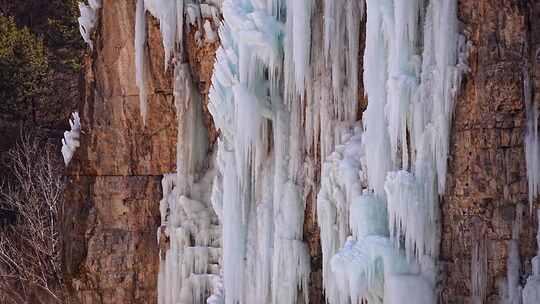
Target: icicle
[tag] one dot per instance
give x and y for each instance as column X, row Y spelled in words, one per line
column 71, row 140
column 532, row 141
column 265, row 258
column 297, row 46
column 340, row 185
column 140, row 56
column 409, row 214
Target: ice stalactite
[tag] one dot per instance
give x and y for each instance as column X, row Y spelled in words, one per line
column 88, row 20
column 411, row 93
column 141, row 56
column 479, row 264
column 532, row 140
column 189, row 245
column 413, row 62
column 340, row 185
column 259, row 81
column 341, row 48
column 71, row 140
column 340, row 43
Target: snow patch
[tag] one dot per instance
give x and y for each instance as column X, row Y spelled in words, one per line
column 71, row 140
column 88, row 20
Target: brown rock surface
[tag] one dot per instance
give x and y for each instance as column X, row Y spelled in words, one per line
column 487, row 175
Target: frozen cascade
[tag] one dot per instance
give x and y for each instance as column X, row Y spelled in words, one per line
column 412, row 98
column 336, row 98
column 88, row 20
column 71, row 140
column 413, row 62
column 260, row 79
column 378, row 187
column 190, row 235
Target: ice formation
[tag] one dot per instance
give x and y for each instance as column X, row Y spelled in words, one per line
column 190, row 246
column 71, row 140
column 413, row 63
column 88, row 20
column 532, row 141
column 259, row 78
column 190, row 234
column 277, row 111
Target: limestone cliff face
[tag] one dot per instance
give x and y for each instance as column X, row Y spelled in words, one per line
column 111, row 249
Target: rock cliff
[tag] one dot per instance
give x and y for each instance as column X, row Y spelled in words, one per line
column 111, row 248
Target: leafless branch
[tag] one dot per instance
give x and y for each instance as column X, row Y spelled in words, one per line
column 30, row 247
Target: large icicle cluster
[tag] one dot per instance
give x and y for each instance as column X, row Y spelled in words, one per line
column 190, row 234
column 190, row 245
column 71, row 140
column 341, row 48
column 259, row 83
column 411, row 88
column 88, row 20
column 413, row 62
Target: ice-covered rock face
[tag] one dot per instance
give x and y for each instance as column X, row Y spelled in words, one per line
column 379, row 187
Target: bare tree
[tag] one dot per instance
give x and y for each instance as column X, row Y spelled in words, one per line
column 30, row 246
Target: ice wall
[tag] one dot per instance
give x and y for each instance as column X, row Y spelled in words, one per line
column 414, row 58
column 190, row 234
column 258, row 86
